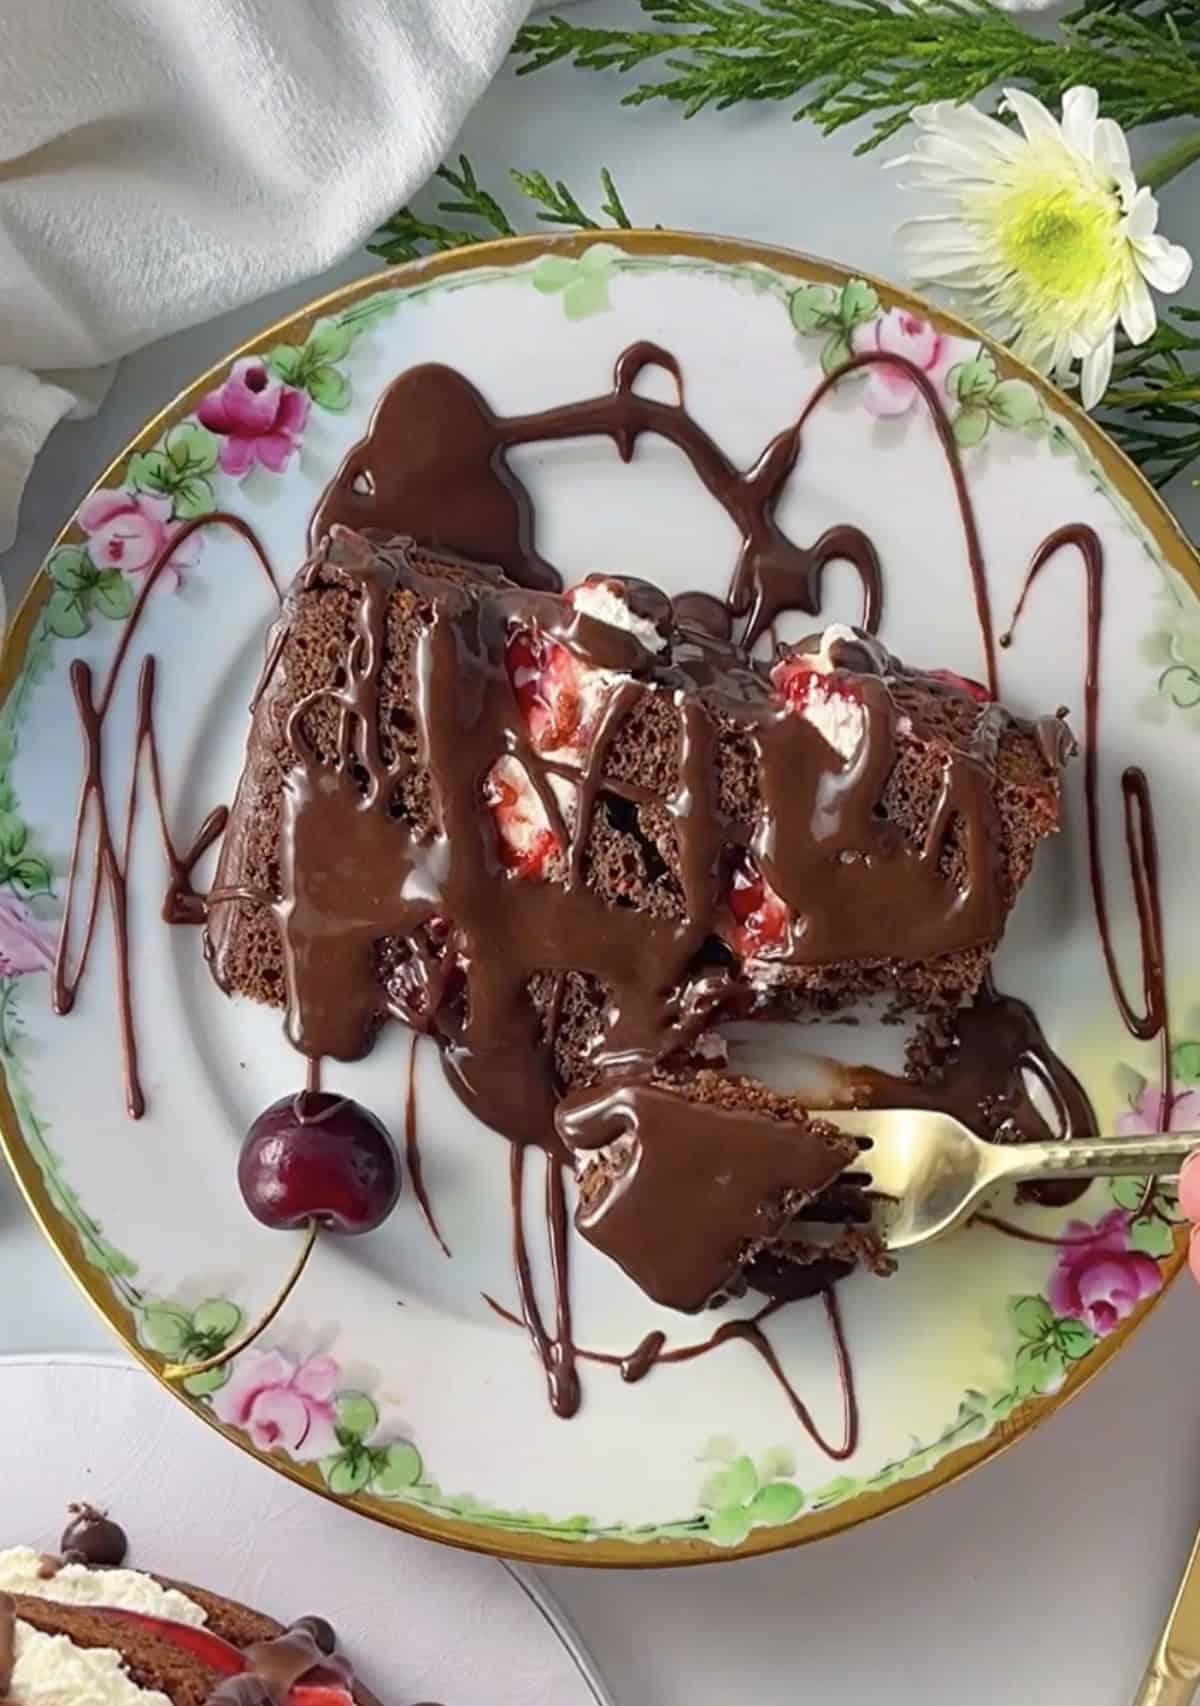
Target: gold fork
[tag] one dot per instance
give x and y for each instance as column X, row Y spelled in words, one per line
column 1173, row 1675
column 931, row 1173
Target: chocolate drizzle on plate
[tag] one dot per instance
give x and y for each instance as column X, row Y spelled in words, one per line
column 654, row 1351
column 433, row 465
column 109, row 864
column 412, row 1148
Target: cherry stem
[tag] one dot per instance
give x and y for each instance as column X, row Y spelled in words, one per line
column 184, row 1370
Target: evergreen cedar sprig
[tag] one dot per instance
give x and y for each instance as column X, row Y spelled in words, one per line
column 878, row 59
column 1152, row 406
column 407, row 235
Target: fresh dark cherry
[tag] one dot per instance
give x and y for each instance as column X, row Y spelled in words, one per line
column 91, row 1537
column 318, row 1156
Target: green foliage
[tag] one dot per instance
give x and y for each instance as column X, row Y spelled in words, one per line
column 1152, row 406
column 407, row 234
column 878, row 59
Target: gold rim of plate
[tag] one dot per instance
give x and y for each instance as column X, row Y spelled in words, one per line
column 480, row 1537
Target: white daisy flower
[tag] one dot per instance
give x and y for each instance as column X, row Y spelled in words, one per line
column 1048, row 238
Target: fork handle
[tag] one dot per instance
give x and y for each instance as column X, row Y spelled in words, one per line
column 1172, row 1677
column 1162, row 1152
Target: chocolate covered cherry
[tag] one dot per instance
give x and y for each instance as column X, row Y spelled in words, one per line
column 319, row 1157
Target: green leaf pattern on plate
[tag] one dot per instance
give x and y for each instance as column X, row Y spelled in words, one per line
column 582, row 283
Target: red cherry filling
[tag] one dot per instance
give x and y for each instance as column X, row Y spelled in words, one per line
column 797, row 679
column 202, row 1644
column 321, row 1686
column 545, row 682
column 522, row 850
column 760, row 917
column 974, row 689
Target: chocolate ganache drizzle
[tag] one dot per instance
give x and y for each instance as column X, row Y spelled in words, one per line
column 109, row 863
column 433, row 467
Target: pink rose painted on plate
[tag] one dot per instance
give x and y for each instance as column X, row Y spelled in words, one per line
column 283, row 1405
column 25, row 943
column 259, row 418
column 890, row 390
column 127, row 531
column 1099, row 1279
column 1146, row 1113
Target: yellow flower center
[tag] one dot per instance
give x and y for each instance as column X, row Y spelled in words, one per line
column 1051, row 227
column 1062, row 236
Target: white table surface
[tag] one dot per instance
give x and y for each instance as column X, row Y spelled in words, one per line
column 1039, row 1581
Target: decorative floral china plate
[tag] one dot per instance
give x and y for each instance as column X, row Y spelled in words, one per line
column 389, row 1380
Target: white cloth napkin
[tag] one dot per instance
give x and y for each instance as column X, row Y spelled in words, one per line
column 164, row 160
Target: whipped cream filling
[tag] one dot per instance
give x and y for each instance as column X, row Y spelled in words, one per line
column 822, row 658
column 50, row 1670
column 600, row 601
column 838, row 719
column 75, row 1584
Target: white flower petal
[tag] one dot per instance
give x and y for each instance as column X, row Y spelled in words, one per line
column 1110, row 150
column 940, row 237
column 1080, row 110
column 931, row 176
column 1096, row 372
column 969, row 126
column 1137, row 310
column 937, row 148
column 1037, row 121
column 1167, row 266
column 1142, row 218
column 958, row 275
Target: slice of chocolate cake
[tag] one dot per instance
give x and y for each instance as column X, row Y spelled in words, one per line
column 81, row 1627
column 568, row 834
column 722, row 1168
